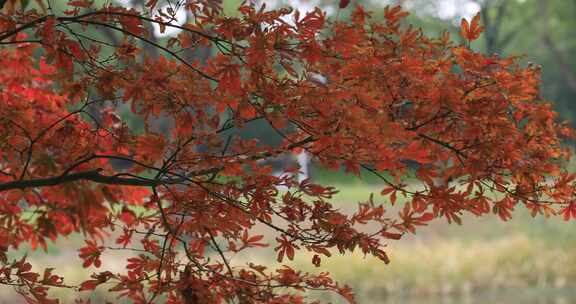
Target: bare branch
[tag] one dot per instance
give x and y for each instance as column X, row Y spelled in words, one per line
column 90, row 175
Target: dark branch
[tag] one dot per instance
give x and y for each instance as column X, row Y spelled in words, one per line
column 458, row 152
column 91, row 175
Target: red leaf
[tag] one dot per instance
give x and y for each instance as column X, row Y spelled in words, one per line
column 151, row 4
column 426, row 217
column 343, row 3
column 471, row 31
column 80, row 3
column 464, row 28
column 127, row 216
column 91, row 254
column 89, row 285
column 29, row 276
column 230, row 79
column 125, row 238
column 316, row 260
column 392, row 236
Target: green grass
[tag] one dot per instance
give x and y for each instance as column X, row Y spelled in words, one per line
column 482, row 259
column 484, row 255
column 453, row 268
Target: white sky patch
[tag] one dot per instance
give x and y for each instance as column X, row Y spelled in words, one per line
column 450, row 10
column 303, row 6
column 125, row 3
column 470, row 9
column 382, row 2
column 181, row 16
column 445, row 9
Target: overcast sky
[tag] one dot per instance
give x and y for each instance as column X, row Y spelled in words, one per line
column 450, row 10
column 444, row 9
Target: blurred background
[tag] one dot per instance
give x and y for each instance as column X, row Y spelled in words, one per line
column 526, row 260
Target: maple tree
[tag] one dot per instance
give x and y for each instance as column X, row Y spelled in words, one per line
column 360, row 94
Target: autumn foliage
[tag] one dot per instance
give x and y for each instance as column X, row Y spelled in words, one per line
column 359, row 94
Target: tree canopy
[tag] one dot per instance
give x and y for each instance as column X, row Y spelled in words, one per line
column 186, row 197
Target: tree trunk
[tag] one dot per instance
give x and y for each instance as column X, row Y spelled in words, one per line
column 559, row 54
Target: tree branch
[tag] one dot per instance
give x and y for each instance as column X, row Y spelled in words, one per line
column 91, row 175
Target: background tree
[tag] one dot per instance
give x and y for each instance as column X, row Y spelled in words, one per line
column 538, row 31
column 388, row 95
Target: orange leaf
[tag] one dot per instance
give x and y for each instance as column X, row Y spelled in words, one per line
column 464, row 28
column 473, row 30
